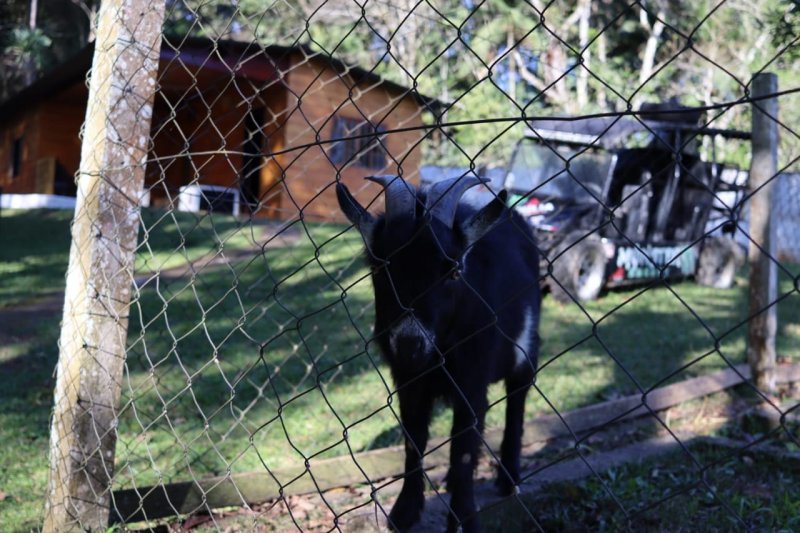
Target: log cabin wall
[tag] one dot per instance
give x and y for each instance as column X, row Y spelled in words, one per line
column 168, row 160
column 209, row 139
column 271, row 173
column 195, row 139
column 18, row 142
column 204, row 121
column 40, row 146
column 60, row 122
column 310, row 170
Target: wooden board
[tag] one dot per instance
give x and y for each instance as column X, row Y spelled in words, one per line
column 239, row 489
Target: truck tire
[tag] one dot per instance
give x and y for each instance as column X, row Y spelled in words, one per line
column 580, row 271
column 719, row 259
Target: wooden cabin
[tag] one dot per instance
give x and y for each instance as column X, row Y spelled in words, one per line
column 236, row 127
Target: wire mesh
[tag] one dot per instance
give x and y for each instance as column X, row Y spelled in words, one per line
column 250, row 346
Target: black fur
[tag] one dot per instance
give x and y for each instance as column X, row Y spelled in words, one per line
column 473, row 289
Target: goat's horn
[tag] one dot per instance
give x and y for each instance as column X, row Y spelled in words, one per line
column 400, row 198
column 443, row 197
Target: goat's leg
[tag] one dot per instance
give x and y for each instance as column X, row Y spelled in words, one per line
column 415, row 414
column 508, row 475
column 464, row 449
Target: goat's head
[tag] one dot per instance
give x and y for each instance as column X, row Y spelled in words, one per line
column 416, row 250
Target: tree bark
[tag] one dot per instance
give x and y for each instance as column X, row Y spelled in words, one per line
column 651, row 47
column 92, row 344
column 585, row 9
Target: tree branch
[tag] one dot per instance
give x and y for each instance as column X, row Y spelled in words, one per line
column 650, row 49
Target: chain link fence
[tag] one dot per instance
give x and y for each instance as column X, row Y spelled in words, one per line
column 218, row 349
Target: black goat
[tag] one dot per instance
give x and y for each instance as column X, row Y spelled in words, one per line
column 456, row 308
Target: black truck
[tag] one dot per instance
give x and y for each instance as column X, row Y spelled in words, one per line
column 621, row 200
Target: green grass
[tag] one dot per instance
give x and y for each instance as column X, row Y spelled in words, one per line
column 748, row 491
column 317, row 371
column 263, row 362
column 33, row 255
column 212, row 333
column 26, row 368
column 35, row 251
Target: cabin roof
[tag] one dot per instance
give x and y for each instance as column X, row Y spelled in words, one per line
column 243, row 58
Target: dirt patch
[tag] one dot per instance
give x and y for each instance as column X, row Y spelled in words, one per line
column 21, row 328
column 268, row 235
column 19, row 322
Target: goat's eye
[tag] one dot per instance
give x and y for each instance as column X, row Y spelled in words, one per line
column 455, row 274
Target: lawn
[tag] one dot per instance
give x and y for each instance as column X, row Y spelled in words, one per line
column 722, row 489
column 27, row 357
column 35, row 247
column 264, row 361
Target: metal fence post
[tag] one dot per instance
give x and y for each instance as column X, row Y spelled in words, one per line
column 98, row 290
column 763, row 271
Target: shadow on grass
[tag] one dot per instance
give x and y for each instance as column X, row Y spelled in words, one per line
column 28, row 356
column 201, row 394
column 227, row 367
column 217, row 364
column 34, row 248
column 656, row 336
column 749, row 491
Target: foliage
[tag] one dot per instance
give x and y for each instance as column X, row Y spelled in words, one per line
column 493, row 62
column 29, row 45
column 32, row 43
column 488, row 61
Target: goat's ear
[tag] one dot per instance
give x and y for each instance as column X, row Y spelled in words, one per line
column 477, row 226
column 355, row 212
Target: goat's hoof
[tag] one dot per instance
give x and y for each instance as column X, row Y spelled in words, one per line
column 470, row 526
column 406, row 512
column 506, row 486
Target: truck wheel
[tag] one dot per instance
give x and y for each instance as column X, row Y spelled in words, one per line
column 580, row 271
column 718, row 261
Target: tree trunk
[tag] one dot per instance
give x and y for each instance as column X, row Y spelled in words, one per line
column 585, row 8
column 649, row 55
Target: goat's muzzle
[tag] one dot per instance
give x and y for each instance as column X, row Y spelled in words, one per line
column 411, row 341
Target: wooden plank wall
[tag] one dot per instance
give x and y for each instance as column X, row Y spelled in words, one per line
column 61, row 119
column 273, row 98
column 24, row 126
column 309, row 172
column 198, row 134
column 49, row 130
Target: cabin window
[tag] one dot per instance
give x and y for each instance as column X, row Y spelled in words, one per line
column 360, row 145
column 16, row 157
